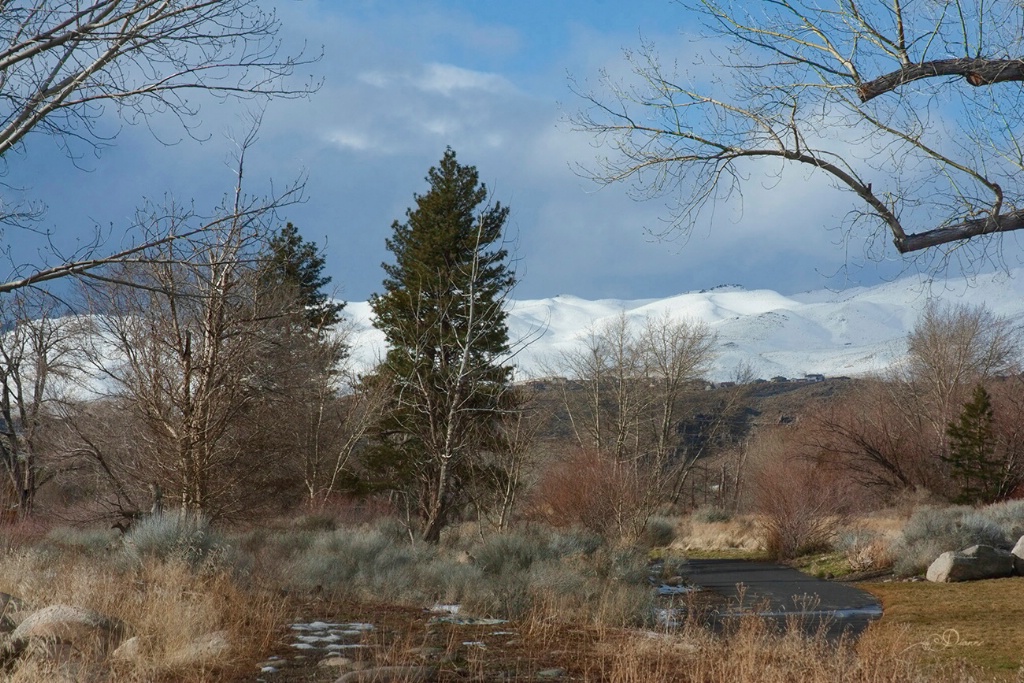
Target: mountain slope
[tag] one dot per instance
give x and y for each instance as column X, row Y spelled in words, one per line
column 853, row 332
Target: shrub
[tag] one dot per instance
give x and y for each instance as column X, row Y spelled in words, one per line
column 185, row 537
column 801, row 507
column 932, row 531
column 591, row 491
column 509, row 552
column 1009, row 516
column 864, row 550
column 625, row 564
column 317, row 521
column 85, row 541
column 364, row 563
column 568, row 542
column 658, row 533
column 449, row 582
column 711, row 514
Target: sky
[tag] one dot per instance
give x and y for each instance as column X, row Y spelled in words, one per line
column 404, row 79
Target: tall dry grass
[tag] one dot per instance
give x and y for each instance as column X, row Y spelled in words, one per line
column 167, row 604
column 703, row 533
column 756, row 652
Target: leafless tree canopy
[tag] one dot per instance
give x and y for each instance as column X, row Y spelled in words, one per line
column 40, row 357
column 911, row 106
column 891, row 433
column 623, row 402
column 76, row 71
column 62, row 62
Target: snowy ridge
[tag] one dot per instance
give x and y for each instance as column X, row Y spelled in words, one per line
column 853, row 332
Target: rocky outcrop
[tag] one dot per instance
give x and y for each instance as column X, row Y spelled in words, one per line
column 971, row 564
column 63, row 638
column 82, row 629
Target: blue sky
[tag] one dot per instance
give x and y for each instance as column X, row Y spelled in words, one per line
column 404, row 79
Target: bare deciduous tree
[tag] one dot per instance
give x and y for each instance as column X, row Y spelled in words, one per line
column 184, row 343
column 878, row 434
column 912, row 107
column 891, row 432
column 951, row 349
column 65, row 65
column 623, row 400
column 801, row 504
column 39, row 356
column 512, row 460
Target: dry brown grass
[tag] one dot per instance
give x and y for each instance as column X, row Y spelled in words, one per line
column 739, row 533
column 753, row 653
column 979, row 622
column 166, row 604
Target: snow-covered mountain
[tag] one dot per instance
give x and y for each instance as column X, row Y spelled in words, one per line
column 851, row 332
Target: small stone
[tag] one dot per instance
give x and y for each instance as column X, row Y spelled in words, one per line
column 204, row 650
column 129, row 650
column 336, row 662
column 551, row 673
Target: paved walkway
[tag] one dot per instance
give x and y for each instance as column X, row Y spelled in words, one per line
column 782, row 593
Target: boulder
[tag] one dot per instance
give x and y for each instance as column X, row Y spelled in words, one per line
column 971, row 564
column 203, row 651
column 81, row 629
column 1018, row 557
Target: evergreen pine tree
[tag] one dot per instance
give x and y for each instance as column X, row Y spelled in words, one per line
column 295, row 263
column 442, row 314
column 972, row 449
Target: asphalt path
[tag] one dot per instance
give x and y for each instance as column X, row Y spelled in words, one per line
column 783, row 595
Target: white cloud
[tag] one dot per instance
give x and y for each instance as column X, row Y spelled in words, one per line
column 377, row 79
column 447, row 79
column 349, row 139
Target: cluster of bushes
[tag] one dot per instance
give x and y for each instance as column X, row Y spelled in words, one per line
column 928, row 532
column 932, row 531
column 502, row 575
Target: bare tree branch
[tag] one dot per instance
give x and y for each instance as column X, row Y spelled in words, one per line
column 938, row 165
column 977, row 72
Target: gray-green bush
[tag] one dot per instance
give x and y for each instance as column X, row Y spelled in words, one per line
column 1009, row 516
column 510, row 552
column 500, row 575
column 185, row 537
column 711, row 514
column 932, row 531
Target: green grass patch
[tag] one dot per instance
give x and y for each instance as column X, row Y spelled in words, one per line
column 833, row 565
column 728, row 554
column 979, row 622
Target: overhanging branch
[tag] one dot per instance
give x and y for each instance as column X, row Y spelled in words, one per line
column 971, row 228
column 977, row 71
